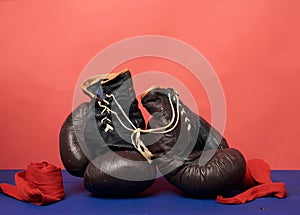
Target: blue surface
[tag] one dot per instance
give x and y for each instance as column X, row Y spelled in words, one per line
column 161, row 198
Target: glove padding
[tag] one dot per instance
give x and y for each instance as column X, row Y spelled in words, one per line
column 192, row 155
column 71, row 141
column 119, row 174
column 93, row 132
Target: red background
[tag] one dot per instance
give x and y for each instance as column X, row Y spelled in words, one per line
column 253, row 46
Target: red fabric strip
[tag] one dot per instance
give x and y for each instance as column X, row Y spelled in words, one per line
column 258, row 181
column 40, row 184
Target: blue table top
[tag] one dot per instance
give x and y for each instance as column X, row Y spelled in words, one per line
column 161, row 198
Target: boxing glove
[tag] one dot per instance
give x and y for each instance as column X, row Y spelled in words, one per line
column 119, row 173
column 117, row 166
column 71, row 141
column 190, row 153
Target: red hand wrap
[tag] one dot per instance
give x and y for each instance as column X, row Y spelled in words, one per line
column 40, row 184
column 258, row 181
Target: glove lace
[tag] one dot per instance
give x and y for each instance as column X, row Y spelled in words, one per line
column 136, row 132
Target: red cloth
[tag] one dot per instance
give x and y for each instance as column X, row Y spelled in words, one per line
column 258, row 182
column 40, row 184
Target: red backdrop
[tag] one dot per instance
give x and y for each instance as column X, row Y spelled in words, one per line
column 253, row 46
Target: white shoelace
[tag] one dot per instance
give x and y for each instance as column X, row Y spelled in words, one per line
column 136, row 132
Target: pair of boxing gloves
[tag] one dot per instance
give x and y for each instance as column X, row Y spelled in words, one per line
column 107, row 142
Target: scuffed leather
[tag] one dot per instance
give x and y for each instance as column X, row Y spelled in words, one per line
column 122, row 88
column 177, row 152
column 104, row 145
column 96, row 139
column 107, row 174
column 223, row 172
column 71, row 141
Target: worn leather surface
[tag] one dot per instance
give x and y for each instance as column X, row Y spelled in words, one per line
column 111, row 174
column 71, row 141
column 96, row 138
column 105, row 142
column 105, row 137
column 178, row 153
